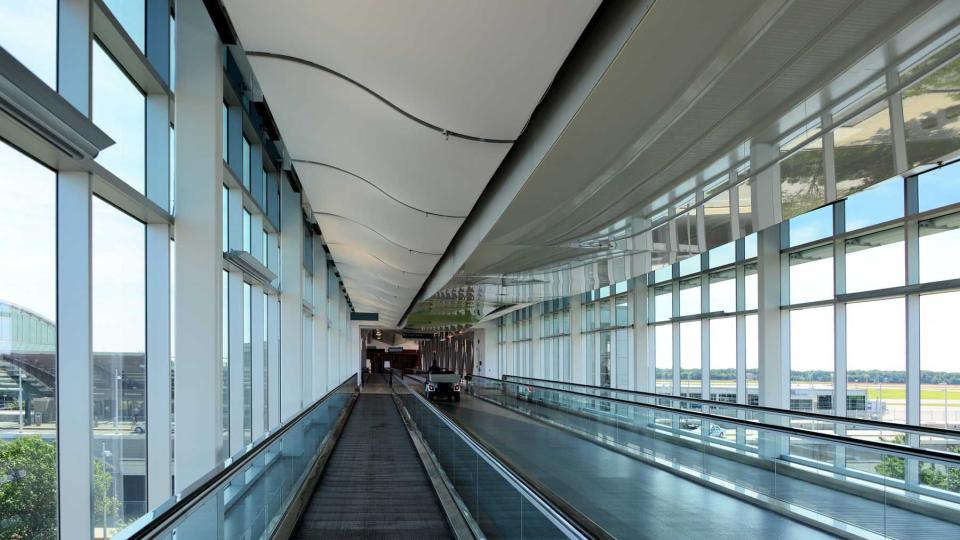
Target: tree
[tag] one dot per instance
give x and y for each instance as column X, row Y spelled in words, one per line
column 28, row 490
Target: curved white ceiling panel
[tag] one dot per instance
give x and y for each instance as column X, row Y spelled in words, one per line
column 339, row 230
column 396, row 115
column 332, row 191
column 333, row 122
column 474, row 66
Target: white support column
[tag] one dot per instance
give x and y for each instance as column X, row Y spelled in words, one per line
column 235, row 340
column 645, row 359
column 74, row 353
column 704, row 331
column 536, row 329
column 577, row 363
column 774, row 369
column 257, row 359
column 158, row 364
column 199, row 261
column 320, row 382
column 257, row 362
column 306, row 369
column 74, row 297
column 741, row 329
column 273, row 365
column 291, row 310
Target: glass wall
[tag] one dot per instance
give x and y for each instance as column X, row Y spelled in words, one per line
column 716, row 304
column 119, row 368
column 555, row 339
column 28, row 341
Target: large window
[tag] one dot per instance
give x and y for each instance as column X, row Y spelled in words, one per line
column 131, row 15
column 940, row 360
column 939, row 245
column 28, row 342
column 28, row 31
column 119, row 109
column 812, row 360
column 723, row 359
column 876, row 360
column 875, row 261
column 119, row 366
column 663, row 338
column 690, row 360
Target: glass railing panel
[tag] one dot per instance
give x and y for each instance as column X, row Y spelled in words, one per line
column 250, row 499
column 496, row 503
column 875, row 483
column 935, row 439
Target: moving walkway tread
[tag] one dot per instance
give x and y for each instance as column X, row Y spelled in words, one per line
column 374, row 485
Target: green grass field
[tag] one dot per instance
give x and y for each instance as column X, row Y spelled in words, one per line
column 899, row 392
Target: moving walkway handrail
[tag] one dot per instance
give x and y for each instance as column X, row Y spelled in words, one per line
column 534, row 498
column 176, row 506
column 837, row 439
column 918, row 430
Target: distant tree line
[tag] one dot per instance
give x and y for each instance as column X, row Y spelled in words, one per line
column 855, row 376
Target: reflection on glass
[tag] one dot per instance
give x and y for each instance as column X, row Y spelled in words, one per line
column 723, row 359
column 690, row 359
column 225, row 133
column 247, row 240
column 28, row 341
column 247, row 364
column 939, row 187
column 931, row 114
column 225, row 366
column 604, row 313
column 752, row 374
column 687, row 238
column 663, row 344
column 878, row 203
column 266, row 361
column 605, row 350
column 750, row 286
column 623, row 358
column 939, row 368
column 245, row 157
column 876, row 360
column 863, row 150
column 745, row 207
column 811, row 360
column 225, row 215
column 723, row 291
column 119, row 367
column 28, row 31
column 587, row 311
column 690, row 296
column 939, row 248
column 875, row 261
column 811, row 274
column 590, row 357
column 131, row 15
column 802, row 181
column 622, row 311
column 716, row 219
column 119, row 109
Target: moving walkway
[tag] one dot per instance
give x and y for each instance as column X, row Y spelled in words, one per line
column 527, row 458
